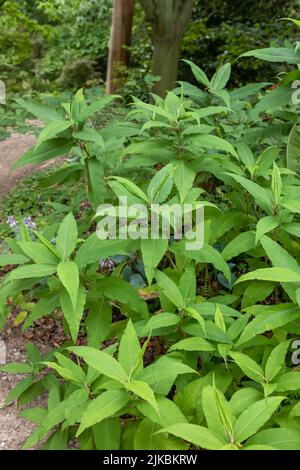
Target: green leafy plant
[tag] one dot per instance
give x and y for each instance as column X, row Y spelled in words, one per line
column 223, row 317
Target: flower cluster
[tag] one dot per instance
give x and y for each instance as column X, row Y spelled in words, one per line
column 27, row 221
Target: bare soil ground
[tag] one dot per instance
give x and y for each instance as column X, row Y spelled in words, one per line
column 10, row 150
column 13, row 429
column 46, row 335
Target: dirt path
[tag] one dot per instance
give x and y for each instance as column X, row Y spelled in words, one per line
column 10, row 150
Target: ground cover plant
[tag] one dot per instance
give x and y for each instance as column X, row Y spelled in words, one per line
column 166, row 347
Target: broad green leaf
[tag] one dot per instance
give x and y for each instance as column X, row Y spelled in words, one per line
column 279, row 438
column 154, row 109
column 213, row 142
column 220, row 78
column 132, row 188
column 243, row 398
column 46, row 151
column 188, row 284
column 293, row 206
column 32, row 271
column 73, row 313
column 161, row 320
column 47, row 243
column 183, row 177
column 67, row 236
column 36, row 415
column 254, row 417
column 161, row 185
column 219, row 319
column 225, row 222
column 16, row 391
column 38, row 253
column 142, row 390
column 107, row 434
column 260, row 195
column 162, row 374
column 169, row 413
column 208, row 111
column 293, row 146
column 199, row 74
column 247, row 90
column 191, row 312
column 17, row 368
column 96, row 183
column 89, row 134
column 169, row 288
column 69, row 364
column 268, row 319
column 217, row 412
column 95, row 107
column 238, row 326
column 248, row 366
column 208, row 254
column 51, row 130
column 45, row 113
column 122, row 291
column 271, row 274
column 276, row 360
column 192, row 344
column 265, row 225
column 129, row 349
column 224, row 96
column 93, row 249
column 153, row 251
column 188, row 398
column 69, row 276
column 56, row 415
column 295, row 411
column 275, row 54
column 101, row 361
column 65, row 373
column 293, row 228
column 104, row 406
column 246, row 156
column 282, row 259
column 276, row 183
column 98, row 322
column 77, row 104
column 274, row 99
column 45, row 306
column 197, row 435
column 154, row 124
column 240, row 244
column 146, row 437
column 256, row 292
column 211, row 331
column 288, row 381
column 13, row 259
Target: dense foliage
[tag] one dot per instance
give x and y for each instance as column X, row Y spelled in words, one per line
column 223, row 319
column 64, row 43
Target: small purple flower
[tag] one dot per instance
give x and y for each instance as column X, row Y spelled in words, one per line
column 29, row 223
column 11, row 221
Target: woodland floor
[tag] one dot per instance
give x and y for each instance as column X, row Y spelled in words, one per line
column 13, row 429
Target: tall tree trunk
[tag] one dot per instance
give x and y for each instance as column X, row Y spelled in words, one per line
column 169, row 19
column 120, row 41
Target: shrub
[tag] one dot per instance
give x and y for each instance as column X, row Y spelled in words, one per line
column 225, row 317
